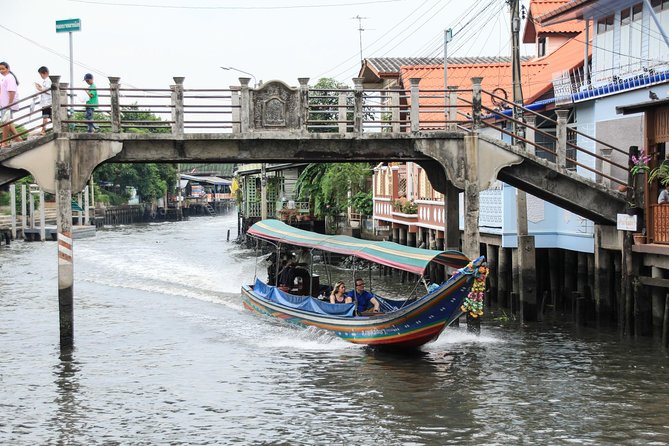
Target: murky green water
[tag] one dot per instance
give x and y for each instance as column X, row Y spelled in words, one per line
column 166, row 355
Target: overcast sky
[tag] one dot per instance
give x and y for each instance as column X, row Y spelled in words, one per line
column 146, row 42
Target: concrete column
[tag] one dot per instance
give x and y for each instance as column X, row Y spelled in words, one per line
column 414, row 113
column 87, row 219
column 114, row 88
column 411, row 239
column 530, row 134
column 58, row 112
column 476, row 103
column 453, row 110
column 31, row 199
column 178, row 106
column 357, row 104
column 341, row 112
column 561, row 131
column 452, row 216
column 42, row 216
column 395, row 111
column 304, row 102
column 12, row 205
column 65, row 244
column 471, row 239
column 234, row 103
column 527, row 276
column 245, row 105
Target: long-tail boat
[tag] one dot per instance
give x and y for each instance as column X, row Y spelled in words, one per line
column 402, row 323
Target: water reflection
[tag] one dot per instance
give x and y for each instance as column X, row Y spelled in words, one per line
column 166, row 355
column 69, row 415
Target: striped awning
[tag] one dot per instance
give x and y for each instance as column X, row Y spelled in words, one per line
column 406, row 258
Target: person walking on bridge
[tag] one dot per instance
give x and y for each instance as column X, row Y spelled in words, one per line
column 92, row 103
column 45, row 97
column 9, row 98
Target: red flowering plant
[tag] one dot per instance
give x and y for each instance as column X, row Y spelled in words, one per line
column 640, row 163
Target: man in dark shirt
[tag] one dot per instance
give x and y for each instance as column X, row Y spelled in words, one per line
column 363, row 298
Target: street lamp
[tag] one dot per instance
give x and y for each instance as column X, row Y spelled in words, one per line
column 255, row 83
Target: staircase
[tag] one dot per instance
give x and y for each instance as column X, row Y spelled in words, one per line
column 210, row 209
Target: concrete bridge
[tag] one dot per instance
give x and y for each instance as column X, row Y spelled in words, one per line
column 449, row 133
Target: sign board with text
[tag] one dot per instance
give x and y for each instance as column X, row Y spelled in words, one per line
column 626, row 222
column 67, row 26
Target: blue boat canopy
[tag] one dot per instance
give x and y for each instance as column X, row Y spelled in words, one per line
column 406, row 258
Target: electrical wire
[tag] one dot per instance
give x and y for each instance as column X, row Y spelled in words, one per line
column 251, row 8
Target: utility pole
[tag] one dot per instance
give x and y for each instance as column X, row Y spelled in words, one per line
column 448, row 36
column 515, row 67
column 526, row 251
column 360, row 30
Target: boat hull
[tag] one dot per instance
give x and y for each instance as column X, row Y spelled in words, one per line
column 412, row 326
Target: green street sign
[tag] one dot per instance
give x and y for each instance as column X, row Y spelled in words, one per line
column 67, row 26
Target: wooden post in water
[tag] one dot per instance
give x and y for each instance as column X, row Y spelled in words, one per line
column 42, row 216
column 65, row 245
column 12, row 205
column 502, row 277
column 23, row 211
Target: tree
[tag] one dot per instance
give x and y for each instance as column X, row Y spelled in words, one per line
column 327, row 187
column 324, row 106
column 151, row 180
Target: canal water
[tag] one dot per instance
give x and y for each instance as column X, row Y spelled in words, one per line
column 165, row 354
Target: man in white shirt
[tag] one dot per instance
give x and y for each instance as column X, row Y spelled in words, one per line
column 664, row 195
column 45, row 98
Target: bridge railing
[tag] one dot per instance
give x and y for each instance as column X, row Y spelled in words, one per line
column 179, row 110
column 26, row 118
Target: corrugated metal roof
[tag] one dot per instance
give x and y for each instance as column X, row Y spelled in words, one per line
column 393, row 64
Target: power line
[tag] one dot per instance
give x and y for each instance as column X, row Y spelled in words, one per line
column 252, row 8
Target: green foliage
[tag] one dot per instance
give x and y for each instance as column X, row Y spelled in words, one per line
column 660, row 173
column 326, row 104
column 362, row 202
column 150, row 180
column 327, row 186
column 405, row 206
column 145, row 121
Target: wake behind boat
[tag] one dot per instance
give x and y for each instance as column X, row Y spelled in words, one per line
column 402, row 323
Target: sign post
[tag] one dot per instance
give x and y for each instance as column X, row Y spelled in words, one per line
column 69, row 26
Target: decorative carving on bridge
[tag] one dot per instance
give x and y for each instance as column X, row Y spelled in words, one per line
column 275, row 106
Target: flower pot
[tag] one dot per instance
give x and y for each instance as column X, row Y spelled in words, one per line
column 639, row 239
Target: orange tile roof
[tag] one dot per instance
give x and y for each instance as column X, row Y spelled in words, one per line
column 541, row 7
column 536, row 75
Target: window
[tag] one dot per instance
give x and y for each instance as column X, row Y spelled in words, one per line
column 605, row 25
column 637, row 12
column 625, row 17
column 541, row 50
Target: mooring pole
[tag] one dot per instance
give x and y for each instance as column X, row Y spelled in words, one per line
column 65, row 255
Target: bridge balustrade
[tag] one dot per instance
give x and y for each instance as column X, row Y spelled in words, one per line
column 178, row 110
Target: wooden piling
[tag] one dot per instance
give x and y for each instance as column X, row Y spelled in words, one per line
column 502, row 277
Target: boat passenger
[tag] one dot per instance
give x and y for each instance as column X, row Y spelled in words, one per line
column 363, row 298
column 338, row 295
column 287, row 275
